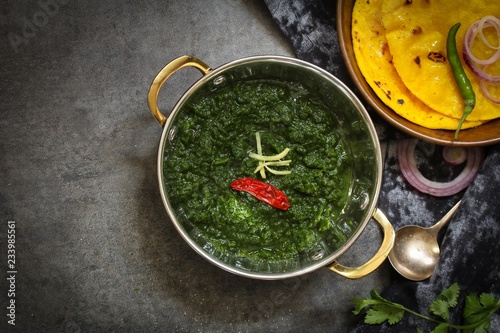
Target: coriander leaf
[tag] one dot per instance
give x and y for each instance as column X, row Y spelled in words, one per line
column 361, row 303
column 482, row 328
column 440, row 308
column 450, row 295
column 472, row 305
column 441, row 328
column 479, row 328
column 376, row 296
column 444, row 301
column 489, row 301
column 381, row 300
column 474, row 312
column 477, row 311
column 383, row 312
column 374, row 316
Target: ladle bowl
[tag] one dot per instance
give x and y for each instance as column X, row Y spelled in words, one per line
column 416, row 251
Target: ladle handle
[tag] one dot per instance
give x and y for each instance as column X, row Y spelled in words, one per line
column 377, row 259
column 164, row 74
column 441, row 223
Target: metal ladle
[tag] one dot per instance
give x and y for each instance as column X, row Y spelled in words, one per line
column 416, row 250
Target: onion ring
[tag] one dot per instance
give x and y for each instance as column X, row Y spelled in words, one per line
column 480, row 72
column 479, row 66
column 454, row 155
column 408, row 167
column 478, row 27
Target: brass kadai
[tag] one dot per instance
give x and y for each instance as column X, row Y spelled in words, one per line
column 362, row 202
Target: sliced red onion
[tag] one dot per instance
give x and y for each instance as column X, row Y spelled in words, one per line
column 478, row 27
column 493, row 21
column 480, row 72
column 454, row 155
column 479, row 66
column 408, row 167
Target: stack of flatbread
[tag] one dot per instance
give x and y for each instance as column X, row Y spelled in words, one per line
column 400, row 47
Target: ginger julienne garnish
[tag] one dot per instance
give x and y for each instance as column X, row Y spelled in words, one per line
column 265, row 162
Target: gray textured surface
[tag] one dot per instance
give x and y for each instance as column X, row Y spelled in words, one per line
column 95, row 249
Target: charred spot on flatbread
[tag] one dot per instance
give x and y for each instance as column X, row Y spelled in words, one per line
column 436, row 57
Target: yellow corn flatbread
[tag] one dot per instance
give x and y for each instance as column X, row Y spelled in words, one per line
column 416, row 33
column 375, row 62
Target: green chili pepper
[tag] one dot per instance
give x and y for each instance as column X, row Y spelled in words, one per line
column 461, row 78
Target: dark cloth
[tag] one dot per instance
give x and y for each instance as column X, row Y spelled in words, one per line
column 470, row 250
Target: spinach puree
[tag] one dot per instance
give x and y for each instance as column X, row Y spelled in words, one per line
column 214, row 135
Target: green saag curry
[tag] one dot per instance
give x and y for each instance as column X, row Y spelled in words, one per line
column 214, row 135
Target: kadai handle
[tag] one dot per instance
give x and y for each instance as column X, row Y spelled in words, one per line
column 162, row 77
column 377, row 259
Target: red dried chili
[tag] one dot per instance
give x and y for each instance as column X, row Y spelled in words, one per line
column 263, row 191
